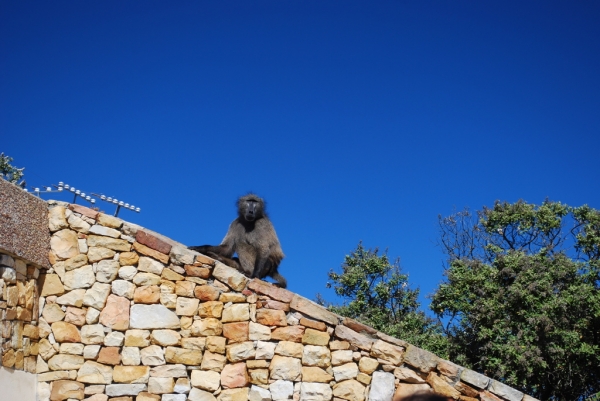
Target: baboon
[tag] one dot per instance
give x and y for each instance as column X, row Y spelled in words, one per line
column 252, row 237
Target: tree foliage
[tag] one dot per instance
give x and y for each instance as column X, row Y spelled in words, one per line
column 9, row 172
column 521, row 296
column 376, row 293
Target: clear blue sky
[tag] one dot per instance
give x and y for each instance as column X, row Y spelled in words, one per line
column 355, row 120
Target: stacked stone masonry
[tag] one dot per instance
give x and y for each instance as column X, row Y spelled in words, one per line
column 125, row 314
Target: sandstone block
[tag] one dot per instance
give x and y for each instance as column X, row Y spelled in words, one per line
column 146, row 294
column 315, row 392
column 197, row 271
column 315, row 337
column 82, row 277
column 271, row 317
column 116, row 313
column 65, row 362
column 206, row 380
column 358, row 340
column 194, row 343
column 146, row 279
column 234, row 297
column 65, row 332
column 290, row 333
column 153, row 355
column 50, row 284
column 123, row 288
column 200, row 395
column 168, row 371
column 390, row 353
column 149, row 265
column 75, row 262
column 72, row 298
column 367, row 365
column 341, row 357
column 350, row 390
column 504, row 391
column 137, row 338
column 189, row 306
column 92, row 316
column 449, row 369
column 66, row 389
column 118, row 390
column 183, row 356
column 96, row 253
column 131, row 374
column 259, row 332
column 95, row 373
column 92, row 334
column 91, row 351
column 57, row 219
column 52, row 313
column 78, row 224
column 236, row 313
column 346, row 372
column 408, row 376
column 315, row 374
column 230, row 276
column 265, row 350
column 237, row 332
column 153, row 317
column 271, row 290
column 234, row 375
column 212, row 361
column 439, row 385
column 207, row 327
column 234, row 394
column 97, row 295
column 289, row 348
column 105, row 231
column 108, row 242
column 285, row 368
column 259, row 394
column 169, row 274
column 315, row 355
column 130, row 356
column 165, row 337
column 259, row 376
column 153, row 242
column 107, row 270
column 423, row 360
column 313, row 310
column 128, row 259
column 64, row 244
column 281, row 390
column 109, row 356
column 472, row 377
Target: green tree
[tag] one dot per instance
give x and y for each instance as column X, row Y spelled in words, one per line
column 377, row 294
column 9, row 172
column 521, row 296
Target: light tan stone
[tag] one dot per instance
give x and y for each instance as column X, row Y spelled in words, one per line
column 128, row 259
column 149, row 265
column 123, row 288
column 66, row 389
column 137, row 338
column 236, row 313
column 289, row 348
column 130, row 356
column 259, row 332
column 207, row 327
column 131, row 374
column 367, row 365
column 260, row 377
column 178, row 370
column 97, row 295
column 234, row 376
column 387, row 352
column 109, row 221
column 146, row 279
column 199, row 395
column 107, row 271
column 64, row 244
column 82, row 277
column 116, row 313
column 146, row 294
column 109, row 355
column 440, row 386
column 188, row 307
column 92, row 334
column 57, row 219
column 108, row 242
column 341, row 357
column 72, row 298
column 75, row 316
column 194, row 343
column 313, row 310
column 183, row 356
column 358, row 340
column 75, row 262
column 315, row 374
column 236, row 332
column 350, row 390
column 234, row 394
column 345, row 372
column 213, row 361
column 206, row 380
column 165, row 337
column 169, row 274
column 240, row 351
column 315, row 355
column 78, row 224
column 65, row 362
column 96, row 254
column 53, row 313
column 161, row 385
column 50, row 284
column 216, row 344
column 421, row 359
column 271, row 317
column 408, row 375
column 66, row 332
column 234, row 297
column 285, row 368
column 95, row 373
column 289, row 333
column 230, row 276
column 153, row 355
column 315, row 337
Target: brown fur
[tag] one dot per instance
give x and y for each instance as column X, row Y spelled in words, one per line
column 252, row 237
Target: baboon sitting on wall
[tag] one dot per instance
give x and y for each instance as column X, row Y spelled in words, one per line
column 252, row 237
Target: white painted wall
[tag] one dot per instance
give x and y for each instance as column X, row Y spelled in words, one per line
column 17, row 385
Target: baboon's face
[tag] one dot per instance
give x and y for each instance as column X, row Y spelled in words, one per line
column 251, row 210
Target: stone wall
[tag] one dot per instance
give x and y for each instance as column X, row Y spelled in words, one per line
column 126, row 314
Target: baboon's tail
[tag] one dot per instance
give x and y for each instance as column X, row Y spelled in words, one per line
column 281, row 281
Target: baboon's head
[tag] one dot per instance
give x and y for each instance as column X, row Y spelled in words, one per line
column 251, row 207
